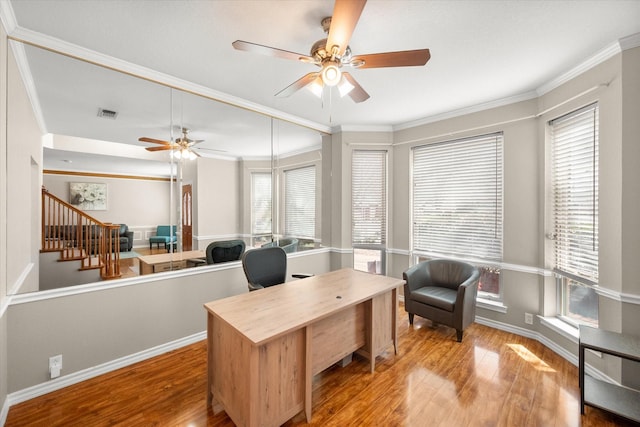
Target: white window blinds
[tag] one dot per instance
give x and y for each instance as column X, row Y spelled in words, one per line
column 260, row 203
column 300, row 202
column 369, row 197
column 575, row 188
column 457, row 198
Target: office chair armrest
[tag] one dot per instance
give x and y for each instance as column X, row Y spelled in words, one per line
column 255, row 287
column 301, row 275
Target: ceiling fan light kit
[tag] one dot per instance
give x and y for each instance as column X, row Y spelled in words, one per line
column 332, row 53
column 181, row 148
column 331, row 74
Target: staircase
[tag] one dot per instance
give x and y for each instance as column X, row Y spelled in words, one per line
column 79, row 237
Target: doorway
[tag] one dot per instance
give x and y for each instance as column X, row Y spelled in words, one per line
column 187, row 227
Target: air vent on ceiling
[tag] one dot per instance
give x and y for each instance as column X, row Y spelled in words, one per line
column 107, row 114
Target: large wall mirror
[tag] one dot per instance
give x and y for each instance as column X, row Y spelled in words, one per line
column 222, row 173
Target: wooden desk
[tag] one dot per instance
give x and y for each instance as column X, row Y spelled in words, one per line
column 264, row 347
column 166, row 262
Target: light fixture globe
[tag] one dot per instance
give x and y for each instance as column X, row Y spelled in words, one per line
column 331, row 74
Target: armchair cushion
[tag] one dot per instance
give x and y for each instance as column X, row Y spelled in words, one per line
column 436, row 296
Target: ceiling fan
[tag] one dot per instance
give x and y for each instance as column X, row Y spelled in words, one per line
column 183, row 147
column 332, row 53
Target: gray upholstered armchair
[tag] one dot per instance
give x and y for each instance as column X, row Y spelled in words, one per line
column 443, row 291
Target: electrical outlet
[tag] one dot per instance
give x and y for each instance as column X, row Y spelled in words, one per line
column 55, row 366
column 528, row 318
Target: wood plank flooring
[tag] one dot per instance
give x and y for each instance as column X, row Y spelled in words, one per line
column 492, row 378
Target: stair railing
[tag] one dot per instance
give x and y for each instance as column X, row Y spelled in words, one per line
column 78, row 236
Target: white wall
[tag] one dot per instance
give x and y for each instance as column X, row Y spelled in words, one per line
column 3, row 228
column 217, row 197
column 24, row 168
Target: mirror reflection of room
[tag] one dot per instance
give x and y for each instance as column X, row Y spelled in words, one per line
column 141, row 178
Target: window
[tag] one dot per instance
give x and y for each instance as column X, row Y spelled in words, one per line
column 300, row 202
column 369, row 209
column 457, row 204
column 575, row 211
column 261, row 207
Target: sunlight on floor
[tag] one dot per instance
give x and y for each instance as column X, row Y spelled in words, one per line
column 487, row 363
column 528, row 356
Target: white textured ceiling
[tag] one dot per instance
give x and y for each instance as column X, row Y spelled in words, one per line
column 481, row 51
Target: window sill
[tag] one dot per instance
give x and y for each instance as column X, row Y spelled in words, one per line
column 492, row 305
column 560, row 327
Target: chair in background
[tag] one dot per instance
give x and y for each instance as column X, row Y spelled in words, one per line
column 443, row 291
column 289, row 245
column 224, row 251
column 266, row 266
column 164, row 234
column 125, row 238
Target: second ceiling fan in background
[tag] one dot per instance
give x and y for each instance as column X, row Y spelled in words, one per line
column 332, row 53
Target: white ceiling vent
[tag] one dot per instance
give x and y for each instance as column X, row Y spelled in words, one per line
column 107, row 114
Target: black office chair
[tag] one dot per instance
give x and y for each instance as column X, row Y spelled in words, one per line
column 266, row 267
column 224, row 251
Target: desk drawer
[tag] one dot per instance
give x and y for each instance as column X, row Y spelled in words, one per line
column 169, row 266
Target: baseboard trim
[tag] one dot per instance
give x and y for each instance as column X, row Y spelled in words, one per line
column 85, row 374
column 5, row 411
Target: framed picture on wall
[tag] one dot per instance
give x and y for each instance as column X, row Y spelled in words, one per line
column 88, row 196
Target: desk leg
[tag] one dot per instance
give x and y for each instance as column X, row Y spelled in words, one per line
column 581, row 375
column 394, row 319
column 308, row 377
column 210, row 360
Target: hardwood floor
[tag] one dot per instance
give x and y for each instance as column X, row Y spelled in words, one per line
column 492, row 378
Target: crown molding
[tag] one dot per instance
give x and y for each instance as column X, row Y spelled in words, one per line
column 467, row 110
column 362, row 128
column 78, row 52
column 7, row 16
column 630, row 42
column 613, row 49
column 601, row 56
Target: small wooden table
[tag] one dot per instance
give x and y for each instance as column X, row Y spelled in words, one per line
column 264, row 347
column 167, row 262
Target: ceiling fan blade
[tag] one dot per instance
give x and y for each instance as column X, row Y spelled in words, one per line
column 270, row 51
column 357, row 93
column 155, row 141
column 343, row 21
column 305, row 80
column 404, row 58
column 166, row 147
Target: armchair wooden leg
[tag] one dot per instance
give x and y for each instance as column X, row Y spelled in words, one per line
column 459, row 335
column 411, row 318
